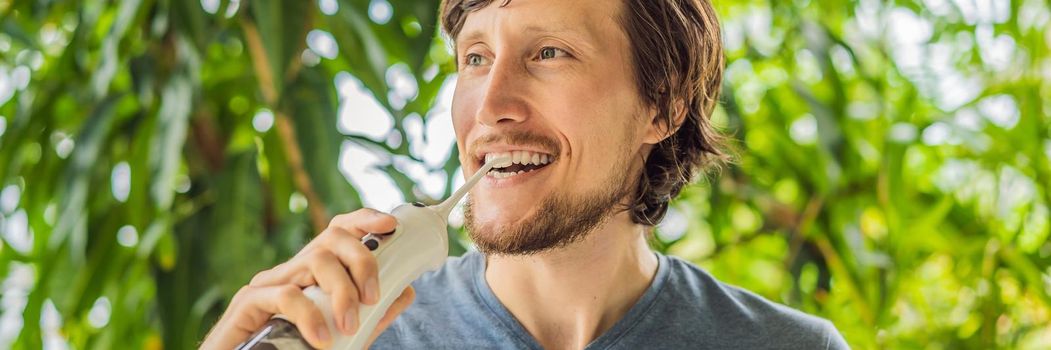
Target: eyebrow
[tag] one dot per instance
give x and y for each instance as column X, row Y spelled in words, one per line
column 587, row 38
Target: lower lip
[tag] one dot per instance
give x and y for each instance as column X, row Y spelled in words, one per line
column 514, row 180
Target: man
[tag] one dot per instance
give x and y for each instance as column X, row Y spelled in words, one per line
column 604, row 107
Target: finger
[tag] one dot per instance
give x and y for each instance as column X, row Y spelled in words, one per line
column 364, row 221
column 291, row 272
column 335, row 281
column 290, row 301
column 357, row 223
column 360, row 262
column 396, row 308
column 238, row 322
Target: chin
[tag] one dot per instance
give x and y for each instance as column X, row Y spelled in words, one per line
column 500, row 216
column 500, row 209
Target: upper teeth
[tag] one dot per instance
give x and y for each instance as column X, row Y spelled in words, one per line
column 521, row 157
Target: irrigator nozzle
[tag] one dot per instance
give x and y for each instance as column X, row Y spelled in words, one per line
column 445, row 207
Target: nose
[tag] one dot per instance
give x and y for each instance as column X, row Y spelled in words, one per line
column 503, row 101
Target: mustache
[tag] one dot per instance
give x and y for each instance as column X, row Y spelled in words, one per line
column 518, row 138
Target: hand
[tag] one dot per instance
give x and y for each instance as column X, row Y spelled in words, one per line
column 337, row 262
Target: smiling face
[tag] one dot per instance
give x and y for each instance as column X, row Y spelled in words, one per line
column 548, row 82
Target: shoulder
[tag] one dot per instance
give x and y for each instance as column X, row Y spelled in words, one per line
column 747, row 318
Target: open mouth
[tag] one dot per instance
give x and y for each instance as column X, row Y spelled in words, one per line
column 521, row 162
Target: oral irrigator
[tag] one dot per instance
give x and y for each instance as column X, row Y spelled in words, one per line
column 418, row 244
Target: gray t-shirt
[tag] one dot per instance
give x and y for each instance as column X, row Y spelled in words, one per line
column 684, row 308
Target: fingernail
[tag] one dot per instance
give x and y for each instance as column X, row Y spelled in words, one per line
column 322, row 334
column 372, row 290
column 351, row 321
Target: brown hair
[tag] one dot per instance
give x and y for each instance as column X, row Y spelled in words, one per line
column 678, row 61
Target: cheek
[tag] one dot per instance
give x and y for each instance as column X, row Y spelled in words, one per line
column 463, row 111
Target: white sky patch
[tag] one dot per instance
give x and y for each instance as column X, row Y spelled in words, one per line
column 359, row 166
column 997, row 51
column 866, row 19
column 17, row 232
column 903, row 132
column 328, row 7
column 807, row 66
column 940, row 8
column 1033, row 14
column 733, row 35
column 99, row 314
column 1015, row 189
column 127, row 236
column 120, row 181
column 908, row 32
column 51, row 326
column 440, row 140
column 297, row 203
column 63, row 144
column 263, row 120
column 968, row 119
column 3, row 125
column 9, row 198
column 1001, row 110
column 431, row 183
column 50, row 213
column 231, row 9
column 431, row 72
column 438, row 134
column 968, row 9
column 931, row 65
column 13, row 299
column 936, row 134
column 674, row 225
column 7, row 86
column 210, row 6
column 380, row 11
column 52, row 39
column 359, row 112
column 956, row 90
column 758, row 24
column 20, row 77
column 993, row 11
column 862, row 110
column 402, row 84
column 842, row 60
column 413, row 125
column 322, row 43
column 955, row 173
column 804, row 130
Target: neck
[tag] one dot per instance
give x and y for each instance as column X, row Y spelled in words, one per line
column 567, row 297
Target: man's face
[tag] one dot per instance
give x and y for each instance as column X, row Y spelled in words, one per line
column 551, row 83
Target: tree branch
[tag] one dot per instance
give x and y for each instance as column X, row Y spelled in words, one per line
column 285, row 129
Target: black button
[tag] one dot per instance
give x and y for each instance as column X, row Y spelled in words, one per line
column 372, row 244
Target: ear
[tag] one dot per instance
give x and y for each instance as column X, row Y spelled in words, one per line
column 659, row 127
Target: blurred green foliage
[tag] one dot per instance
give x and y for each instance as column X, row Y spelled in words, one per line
column 892, row 173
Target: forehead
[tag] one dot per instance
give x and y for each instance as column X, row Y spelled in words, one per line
column 595, row 21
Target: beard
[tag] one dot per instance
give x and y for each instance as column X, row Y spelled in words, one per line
column 561, row 219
